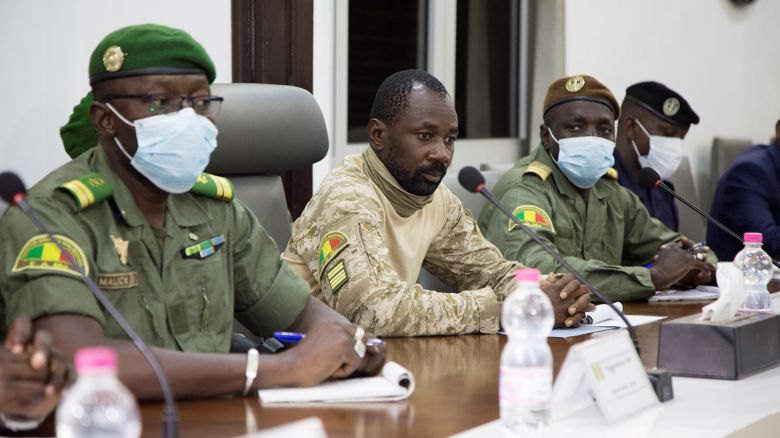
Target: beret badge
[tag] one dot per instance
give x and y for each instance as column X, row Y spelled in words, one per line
column 113, row 58
column 671, row 106
column 575, row 84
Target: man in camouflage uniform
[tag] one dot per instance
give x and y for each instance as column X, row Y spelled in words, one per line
column 568, row 194
column 171, row 247
column 380, row 216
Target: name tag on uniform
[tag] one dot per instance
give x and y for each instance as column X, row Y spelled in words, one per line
column 124, row 280
column 204, row 249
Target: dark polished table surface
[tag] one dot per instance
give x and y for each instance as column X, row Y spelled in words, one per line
column 457, row 389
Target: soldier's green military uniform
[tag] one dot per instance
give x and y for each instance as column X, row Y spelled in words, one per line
column 609, row 240
column 175, row 294
column 362, row 257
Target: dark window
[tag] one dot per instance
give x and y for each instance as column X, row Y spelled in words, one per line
column 486, row 68
column 384, row 37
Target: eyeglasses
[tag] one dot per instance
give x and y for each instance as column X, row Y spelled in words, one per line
column 157, row 104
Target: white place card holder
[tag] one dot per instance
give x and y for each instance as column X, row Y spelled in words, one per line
column 605, row 370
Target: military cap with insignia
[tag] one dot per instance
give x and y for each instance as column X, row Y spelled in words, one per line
column 663, row 102
column 579, row 87
column 144, row 49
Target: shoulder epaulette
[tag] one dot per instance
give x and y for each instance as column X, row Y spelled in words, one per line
column 88, row 190
column 612, row 173
column 212, row 186
column 539, row 169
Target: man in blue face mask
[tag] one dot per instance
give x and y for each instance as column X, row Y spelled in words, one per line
column 176, row 253
column 567, row 192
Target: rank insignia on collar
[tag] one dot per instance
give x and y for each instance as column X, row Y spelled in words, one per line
column 203, row 249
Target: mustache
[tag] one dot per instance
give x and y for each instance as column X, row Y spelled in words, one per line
column 437, row 167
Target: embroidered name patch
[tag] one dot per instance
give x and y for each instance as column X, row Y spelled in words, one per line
column 532, row 216
column 203, row 249
column 330, row 246
column 123, row 280
column 40, row 253
column 337, row 276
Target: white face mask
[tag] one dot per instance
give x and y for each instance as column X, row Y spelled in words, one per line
column 665, row 153
column 173, row 149
column 584, row 159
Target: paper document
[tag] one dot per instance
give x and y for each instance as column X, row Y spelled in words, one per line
column 393, row 383
column 610, row 324
column 700, row 293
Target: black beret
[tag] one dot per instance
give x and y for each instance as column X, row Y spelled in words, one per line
column 663, row 102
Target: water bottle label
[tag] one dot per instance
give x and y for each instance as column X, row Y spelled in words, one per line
column 530, row 387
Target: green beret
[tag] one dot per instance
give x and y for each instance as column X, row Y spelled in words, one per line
column 79, row 135
column 580, row 87
column 148, row 49
column 144, row 49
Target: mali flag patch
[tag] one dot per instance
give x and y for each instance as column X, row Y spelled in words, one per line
column 330, row 246
column 40, row 253
column 532, row 216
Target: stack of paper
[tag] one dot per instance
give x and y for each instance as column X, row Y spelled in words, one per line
column 700, row 293
column 393, row 383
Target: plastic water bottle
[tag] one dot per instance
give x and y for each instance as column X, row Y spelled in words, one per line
column 525, row 381
column 757, row 268
column 98, row 405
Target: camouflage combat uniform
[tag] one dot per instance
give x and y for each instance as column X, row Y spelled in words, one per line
column 356, row 253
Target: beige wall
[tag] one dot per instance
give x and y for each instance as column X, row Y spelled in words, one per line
column 45, row 47
column 725, row 60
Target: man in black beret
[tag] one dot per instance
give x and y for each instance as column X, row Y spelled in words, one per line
column 653, row 123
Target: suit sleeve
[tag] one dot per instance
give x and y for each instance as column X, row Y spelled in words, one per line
column 461, row 255
column 358, row 280
column 620, row 283
column 748, row 203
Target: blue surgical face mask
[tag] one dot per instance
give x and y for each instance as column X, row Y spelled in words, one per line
column 584, row 159
column 173, row 149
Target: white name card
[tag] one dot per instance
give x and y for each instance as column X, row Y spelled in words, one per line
column 605, row 370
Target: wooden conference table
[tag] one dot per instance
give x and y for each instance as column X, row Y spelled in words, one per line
column 457, row 389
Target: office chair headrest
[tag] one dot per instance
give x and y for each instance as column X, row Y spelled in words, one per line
column 266, row 129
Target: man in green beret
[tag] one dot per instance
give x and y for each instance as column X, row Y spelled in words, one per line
column 171, row 247
column 568, row 193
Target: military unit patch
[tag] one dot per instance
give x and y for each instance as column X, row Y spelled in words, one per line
column 337, row 276
column 204, row 249
column 532, row 216
column 330, row 245
column 40, row 253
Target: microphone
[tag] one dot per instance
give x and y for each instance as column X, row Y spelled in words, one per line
column 13, row 192
column 649, row 178
column 472, row 180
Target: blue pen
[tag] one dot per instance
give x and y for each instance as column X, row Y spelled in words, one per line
column 294, row 338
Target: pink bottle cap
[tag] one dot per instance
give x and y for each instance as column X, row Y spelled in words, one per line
column 95, row 359
column 753, row 238
column 528, row 274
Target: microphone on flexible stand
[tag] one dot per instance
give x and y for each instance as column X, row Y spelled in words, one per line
column 472, row 180
column 12, row 191
column 649, row 178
